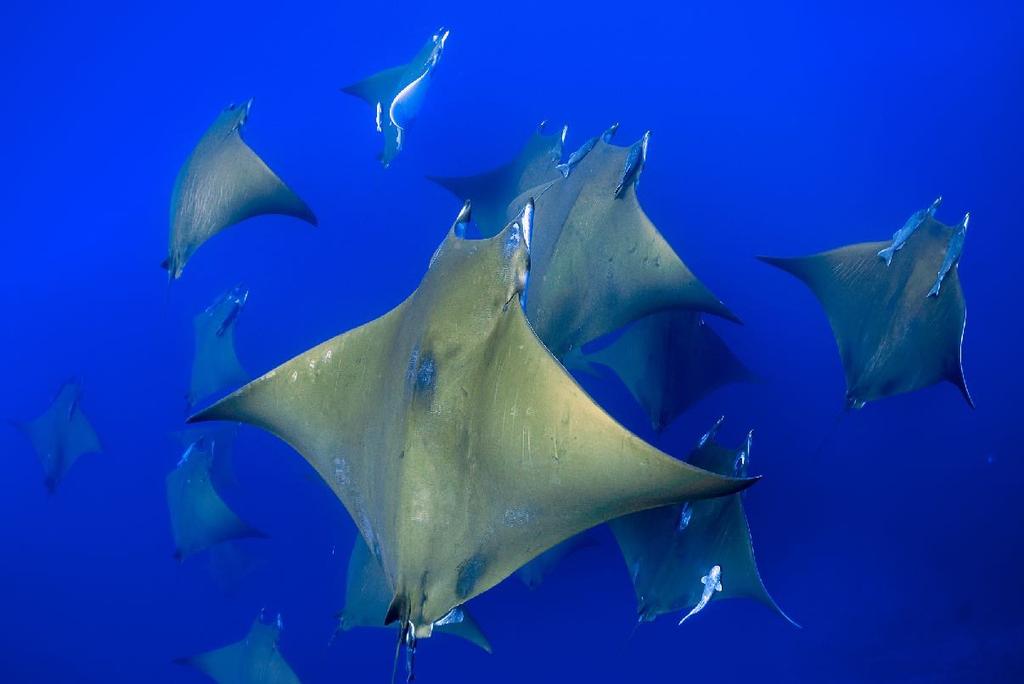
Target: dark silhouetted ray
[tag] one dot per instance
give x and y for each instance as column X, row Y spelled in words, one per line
column 492, row 191
column 669, row 550
column 199, row 517
column 253, row 660
column 222, row 183
column 598, row 262
column 458, row 444
column 61, row 434
column 534, row 572
column 892, row 336
column 669, row 361
column 368, row 597
column 396, row 94
column 215, row 366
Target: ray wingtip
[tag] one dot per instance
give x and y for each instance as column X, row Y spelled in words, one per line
column 748, row 482
column 722, row 311
column 771, row 260
column 309, row 217
column 962, row 386
column 208, row 414
column 449, row 183
column 790, row 265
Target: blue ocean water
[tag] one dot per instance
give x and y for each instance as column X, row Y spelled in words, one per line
column 776, row 129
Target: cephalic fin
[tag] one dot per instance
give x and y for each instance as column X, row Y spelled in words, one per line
column 397, row 610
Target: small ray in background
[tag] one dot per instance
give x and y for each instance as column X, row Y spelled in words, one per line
column 681, row 557
column 397, row 94
column 534, row 572
column 215, row 366
column 492, row 191
column 220, row 438
column 899, row 325
column 368, row 597
column 459, row 445
column 61, row 434
column 199, row 517
column 223, row 182
column 253, row 660
column 669, row 361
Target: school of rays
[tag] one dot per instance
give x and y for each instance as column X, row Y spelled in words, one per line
column 451, row 429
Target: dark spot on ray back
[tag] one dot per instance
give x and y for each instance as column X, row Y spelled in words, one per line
column 426, row 375
column 422, row 372
column 469, row 573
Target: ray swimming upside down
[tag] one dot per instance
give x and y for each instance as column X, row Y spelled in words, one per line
column 397, row 94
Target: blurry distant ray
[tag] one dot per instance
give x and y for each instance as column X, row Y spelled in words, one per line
column 492, row 191
column 220, row 438
column 230, row 563
column 215, row 366
column 222, row 183
column 534, row 572
column 598, row 262
column 396, row 94
column 199, row 517
column 253, row 660
column 458, row 444
column 668, row 550
column 61, row 434
column 892, row 336
column 669, row 361
column 368, row 597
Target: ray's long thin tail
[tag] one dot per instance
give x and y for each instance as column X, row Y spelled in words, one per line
column 398, row 650
column 632, row 633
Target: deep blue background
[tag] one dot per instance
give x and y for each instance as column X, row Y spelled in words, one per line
column 778, row 129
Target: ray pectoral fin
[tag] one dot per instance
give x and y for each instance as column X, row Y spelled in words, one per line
column 82, row 439
column 956, row 376
column 792, row 265
column 287, row 401
column 622, row 469
column 253, row 189
column 682, row 287
column 469, row 630
column 377, row 88
column 573, row 467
